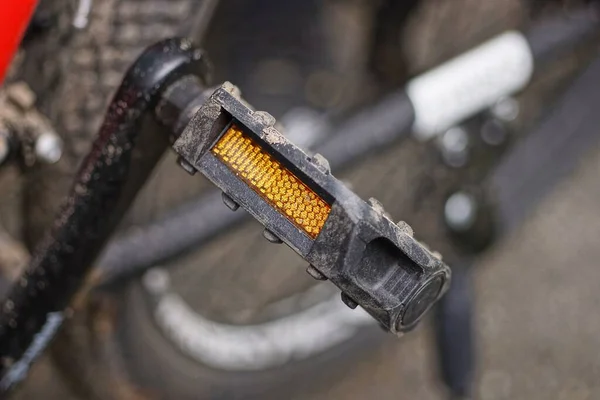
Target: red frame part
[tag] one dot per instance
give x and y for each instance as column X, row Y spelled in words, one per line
column 14, row 18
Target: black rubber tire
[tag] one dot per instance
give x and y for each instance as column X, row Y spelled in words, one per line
column 166, row 373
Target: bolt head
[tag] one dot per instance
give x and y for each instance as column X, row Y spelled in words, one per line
column 271, row 237
column 493, row 132
column 229, row 202
column 315, row 273
column 187, row 167
column 48, row 148
column 460, row 211
column 348, row 301
column 454, row 145
column 455, row 140
column 156, row 280
column 506, row 109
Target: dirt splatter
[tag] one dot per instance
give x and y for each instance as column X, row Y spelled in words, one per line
column 273, row 136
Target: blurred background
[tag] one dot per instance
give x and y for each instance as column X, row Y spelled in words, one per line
column 231, row 316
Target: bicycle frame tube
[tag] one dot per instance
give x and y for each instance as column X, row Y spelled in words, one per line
column 565, row 134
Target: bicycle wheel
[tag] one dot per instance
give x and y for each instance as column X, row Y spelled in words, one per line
column 156, row 360
column 83, row 65
column 220, row 311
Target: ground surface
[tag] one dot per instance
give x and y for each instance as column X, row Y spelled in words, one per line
column 537, row 313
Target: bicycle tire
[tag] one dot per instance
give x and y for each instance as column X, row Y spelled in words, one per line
column 79, row 72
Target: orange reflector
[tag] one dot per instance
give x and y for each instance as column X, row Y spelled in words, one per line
column 272, row 181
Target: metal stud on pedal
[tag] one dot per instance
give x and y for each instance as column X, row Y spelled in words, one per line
column 187, row 167
column 229, row 202
column 271, row 237
column 312, row 271
column 348, row 301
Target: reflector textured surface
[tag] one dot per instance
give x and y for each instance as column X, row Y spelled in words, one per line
column 272, row 181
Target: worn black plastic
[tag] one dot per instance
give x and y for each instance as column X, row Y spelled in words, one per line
column 375, row 262
column 121, row 159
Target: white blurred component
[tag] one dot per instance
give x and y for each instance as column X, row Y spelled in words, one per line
column 156, row 281
column 304, row 126
column 48, row 148
column 262, row 346
column 455, row 140
column 82, row 14
column 454, row 144
column 506, row 109
column 460, row 211
column 469, row 83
